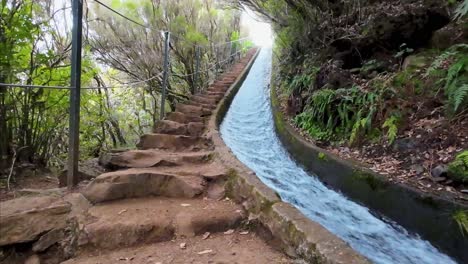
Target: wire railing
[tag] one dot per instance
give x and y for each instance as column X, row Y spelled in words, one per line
column 229, row 51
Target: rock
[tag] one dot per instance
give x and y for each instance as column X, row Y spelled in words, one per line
column 439, row 171
column 48, row 240
column 87, row 170
column 25, row 219
column 332, row 76
column 448, row 36
column 438, row 179
column 134, row 183
column 417, row 168
column 34, row 259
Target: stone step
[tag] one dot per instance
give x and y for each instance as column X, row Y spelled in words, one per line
column 217, row 95
column 143, row 182
column 239, row 247
column 183, row 118
column 175, row 128
column 131, row 222
column 174, row 142
column 193, row 110
column 217, row 90
column 203, row 99
column 206, row 106
column 151, row 158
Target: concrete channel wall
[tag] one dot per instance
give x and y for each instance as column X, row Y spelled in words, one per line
column 284, row 225
column 429, row 216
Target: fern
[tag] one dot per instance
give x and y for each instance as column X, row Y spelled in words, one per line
column 456, row 87
column 459, row 95
column 461, row 11
column 461, row 218
column 392, row 129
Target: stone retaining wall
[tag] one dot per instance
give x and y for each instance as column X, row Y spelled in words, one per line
column 289, row 229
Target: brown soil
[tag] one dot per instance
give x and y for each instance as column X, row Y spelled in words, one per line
column 41, row 181
column 240, row 247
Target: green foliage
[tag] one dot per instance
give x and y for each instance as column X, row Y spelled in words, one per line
column 404, row 50
column 454, row 78
column 458, row 169
column 461, row 218
column 456, row 83
column 461, row 11
column 34, row 50
column 322, row 156
column 391, row 124
column 339, row 114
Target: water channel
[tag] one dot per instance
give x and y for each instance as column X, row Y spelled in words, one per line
column 248, row 129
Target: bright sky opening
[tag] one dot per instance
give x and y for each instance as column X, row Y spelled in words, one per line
column 259, row 31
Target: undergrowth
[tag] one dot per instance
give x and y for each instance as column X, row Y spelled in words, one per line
column 375, row 110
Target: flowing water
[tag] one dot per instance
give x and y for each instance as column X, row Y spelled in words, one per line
column 248, row 129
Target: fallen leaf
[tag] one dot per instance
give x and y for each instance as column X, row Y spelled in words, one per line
column 229, row 232
column 123, row 211
column 208, row 251
column 206, row 235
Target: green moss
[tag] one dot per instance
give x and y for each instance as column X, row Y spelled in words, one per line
column 458, row 169
column 461, row 218
column 322, row 156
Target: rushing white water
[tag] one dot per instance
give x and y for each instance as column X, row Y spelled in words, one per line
column 248, row 129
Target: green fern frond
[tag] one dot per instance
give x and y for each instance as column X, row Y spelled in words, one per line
column 461, row 11
column 459, row 95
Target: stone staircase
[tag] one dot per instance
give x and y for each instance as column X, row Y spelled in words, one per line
column 161, row 203
column 167, row 192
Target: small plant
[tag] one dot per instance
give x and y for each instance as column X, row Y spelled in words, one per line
column 461, row 11
column 404, row 50
column 455, row 86
column 461, row 218
column 391, row 124
column 322, row 156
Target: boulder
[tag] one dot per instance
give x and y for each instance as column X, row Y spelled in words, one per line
column 25, row 219
column 448, row 36
column 48, row 239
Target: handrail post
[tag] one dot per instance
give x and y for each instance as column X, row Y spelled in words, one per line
column 197, row 69
column 75, row 95
column 165, row 74
column 217, row 61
